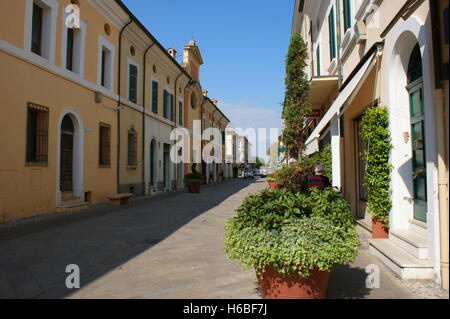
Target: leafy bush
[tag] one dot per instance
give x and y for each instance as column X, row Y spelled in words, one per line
column 294, row 176
column 292, row 232
column 297, row 248
column 272, row 209
column 375, row 133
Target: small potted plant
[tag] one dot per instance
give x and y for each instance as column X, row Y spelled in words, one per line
column 292, row 241
column 272, row 181
column 193, row 180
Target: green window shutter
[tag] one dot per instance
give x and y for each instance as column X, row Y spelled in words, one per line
column 155, row 97
column 332, row 30
column 318, row 59
column 166, row 115
column 347, row 15
column 133, row 83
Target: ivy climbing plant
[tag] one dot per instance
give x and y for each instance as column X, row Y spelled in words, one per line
column 296, row 104
column 375, row 134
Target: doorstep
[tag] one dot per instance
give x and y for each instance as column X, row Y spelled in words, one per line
column 400, row 261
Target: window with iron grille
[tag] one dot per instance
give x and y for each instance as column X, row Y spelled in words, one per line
column 132, row 148
column 37, row 134
column 105, row 145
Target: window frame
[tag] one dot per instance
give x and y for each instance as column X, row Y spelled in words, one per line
column 155, row 96
column 132, row 149
column 44, row 136
column 332, row 33
column 79, row 46
column 109, row 75
column 48, row 28
column 132, row 64
column 107, row 162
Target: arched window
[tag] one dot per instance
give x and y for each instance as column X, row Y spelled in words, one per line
column 415, row 65
column 132, row 148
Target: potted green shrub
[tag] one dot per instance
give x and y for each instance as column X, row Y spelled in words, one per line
column 193, row 180
column 271, row 179
column 376, row 135
column 292, row 240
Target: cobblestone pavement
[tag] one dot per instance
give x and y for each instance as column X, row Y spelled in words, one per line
column 168, row 247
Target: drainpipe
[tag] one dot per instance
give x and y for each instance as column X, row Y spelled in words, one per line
column 441, row 144
column 119, row 104
column 143, row 115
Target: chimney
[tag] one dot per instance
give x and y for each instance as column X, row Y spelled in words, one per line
column 205, row 93
column 172, row 52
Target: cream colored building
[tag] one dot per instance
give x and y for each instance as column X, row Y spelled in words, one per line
column 366, row 52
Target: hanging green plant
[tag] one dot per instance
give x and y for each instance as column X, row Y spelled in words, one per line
column 375, row 133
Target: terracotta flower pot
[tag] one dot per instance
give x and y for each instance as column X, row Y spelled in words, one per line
column 378, row 229
column 274, row 286
column 194, row 188
column 272, row 185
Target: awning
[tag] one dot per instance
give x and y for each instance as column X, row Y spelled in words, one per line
column 321, row 88
column 312, row 143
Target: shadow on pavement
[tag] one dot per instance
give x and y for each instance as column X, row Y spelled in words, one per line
column 347, row 283
column 34, row 256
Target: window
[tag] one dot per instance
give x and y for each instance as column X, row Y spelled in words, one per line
column 132, row 148
column 166, row 104
column 105, row 68
column 70, row 48
column 132, row 83
column 37, row 26
column 37, row 134
column 332, row 31
column 193, row 101
column 180, row 112
column 106, row 57
column 105, row 145
column 155, row 97
column 347, row 15
column 169, row 106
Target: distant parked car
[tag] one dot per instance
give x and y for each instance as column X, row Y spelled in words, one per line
column 248, row 174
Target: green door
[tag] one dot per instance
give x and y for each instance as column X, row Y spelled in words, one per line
column 418, row 150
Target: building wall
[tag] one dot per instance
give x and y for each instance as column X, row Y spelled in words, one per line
column 27, row 191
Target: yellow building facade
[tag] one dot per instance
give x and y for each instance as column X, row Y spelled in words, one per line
column 90, row 107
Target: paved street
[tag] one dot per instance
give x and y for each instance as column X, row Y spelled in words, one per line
column 168, row 247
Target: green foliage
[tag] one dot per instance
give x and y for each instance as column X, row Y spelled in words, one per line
column 295, row 249
column 375, row 133
column 292, row 232
column 194, row 177
column 296, row 104
column 294, row 176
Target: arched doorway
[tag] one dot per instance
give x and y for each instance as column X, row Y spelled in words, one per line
column 417, row 114
column 67, row 156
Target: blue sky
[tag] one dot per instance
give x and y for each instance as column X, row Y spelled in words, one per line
column 243, row 44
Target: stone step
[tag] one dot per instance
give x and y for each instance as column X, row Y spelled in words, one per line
column 366, row 224
column 402, row 263
column 418, row 227
column 413, row 242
